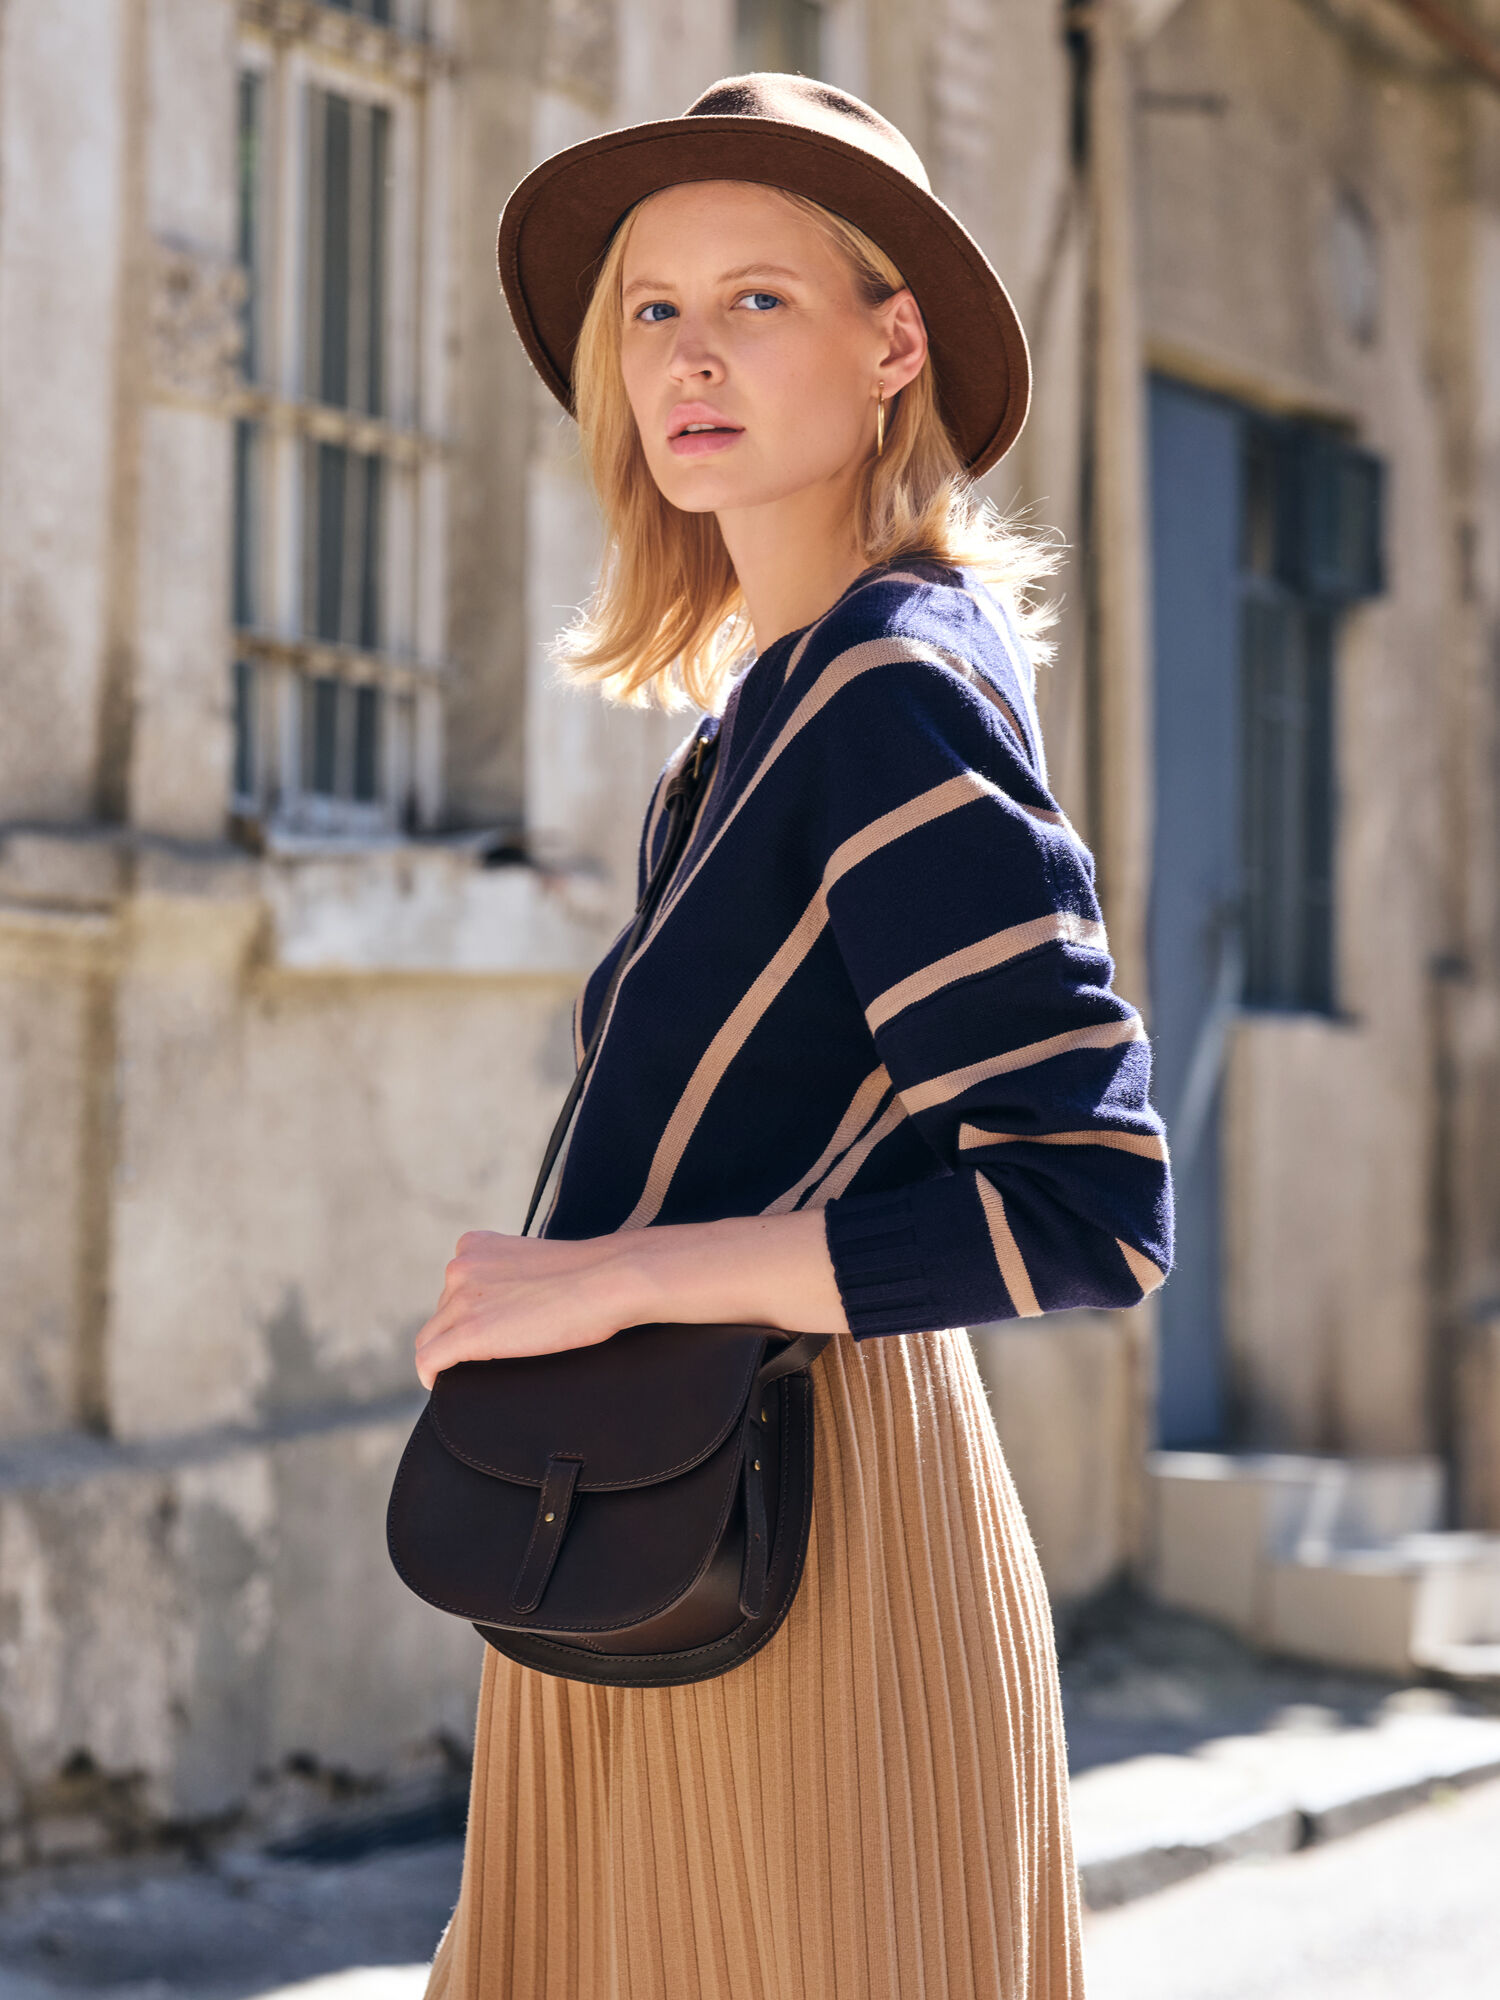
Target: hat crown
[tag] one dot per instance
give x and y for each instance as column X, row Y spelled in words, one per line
column 810, row 139
column 816, row 107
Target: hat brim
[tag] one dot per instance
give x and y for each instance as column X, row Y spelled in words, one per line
column 558, row 224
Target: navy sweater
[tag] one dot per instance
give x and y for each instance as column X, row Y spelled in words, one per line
column 879, row 985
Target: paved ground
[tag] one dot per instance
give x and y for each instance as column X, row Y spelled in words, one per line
column 1187, row 1747
column 1402, row 1911
column 1139, row 1680
column 1407, row 1910
column 247, row 1926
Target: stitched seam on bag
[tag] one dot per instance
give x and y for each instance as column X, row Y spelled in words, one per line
column 655, row 1611
column 715, row 1645
column 802, row 1378
column 571, row 1656
column 610, row 1485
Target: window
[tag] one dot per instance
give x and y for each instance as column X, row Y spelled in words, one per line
column 337, row 663
column 344, row 283
column 785, row 35
column 1310, row 545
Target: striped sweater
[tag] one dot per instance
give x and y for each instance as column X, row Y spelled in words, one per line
column 879, row 985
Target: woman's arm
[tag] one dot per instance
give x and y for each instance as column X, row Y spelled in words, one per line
column 511, row 1295
column 973, row 940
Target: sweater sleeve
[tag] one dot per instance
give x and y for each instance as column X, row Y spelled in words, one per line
column 963, row 907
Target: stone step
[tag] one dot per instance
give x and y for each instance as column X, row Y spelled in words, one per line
column 1468, row 1666
column 1329, row 1559
column 1387, row 1609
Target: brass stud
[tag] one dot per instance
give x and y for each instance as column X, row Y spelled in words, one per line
column 549, row 1517
column 757, row 1465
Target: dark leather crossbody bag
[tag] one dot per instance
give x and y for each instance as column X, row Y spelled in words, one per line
column 633, row 1514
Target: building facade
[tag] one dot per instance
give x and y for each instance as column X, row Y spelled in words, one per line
column 303, row 852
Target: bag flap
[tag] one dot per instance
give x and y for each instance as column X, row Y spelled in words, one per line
column 644, row 1406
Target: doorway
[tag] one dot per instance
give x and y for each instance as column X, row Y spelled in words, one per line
column 1263, row 530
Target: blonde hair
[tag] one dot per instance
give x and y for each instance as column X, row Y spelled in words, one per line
column 667, row 623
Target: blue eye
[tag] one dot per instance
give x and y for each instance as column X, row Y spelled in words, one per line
column 760, row 301
column 647, row 314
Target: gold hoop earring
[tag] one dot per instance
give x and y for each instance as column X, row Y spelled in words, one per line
column 879, row 419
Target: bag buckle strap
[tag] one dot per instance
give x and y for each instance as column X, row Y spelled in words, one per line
column 756, row 1567
column 793, row 1358
column 554, row 1503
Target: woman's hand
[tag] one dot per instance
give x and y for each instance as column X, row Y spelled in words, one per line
column 514, row 1295
column 510, row 1295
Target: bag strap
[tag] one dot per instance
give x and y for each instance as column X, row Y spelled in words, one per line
column 684, row 792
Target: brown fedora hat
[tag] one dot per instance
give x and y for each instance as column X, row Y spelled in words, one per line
column 787, row 132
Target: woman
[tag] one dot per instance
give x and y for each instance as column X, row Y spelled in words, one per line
column 864, row 1077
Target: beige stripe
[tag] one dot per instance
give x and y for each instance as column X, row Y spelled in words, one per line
column 658, row 807
column 797, row 651
column 895, row 576
column 1047, row 817
column 1007, row 1251
column 1149, row 1145
column 717, row 1057
column 861, row 1110
column 653, row 819
column 1146, row 1274
column 983, row 685
column 954, row 792
column 854, row 1159
column 938, row 1089
column 1058, row 926
column 848, row 667
column 960, row 790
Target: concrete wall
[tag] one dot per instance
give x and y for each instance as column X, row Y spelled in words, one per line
column 1284, row 166
column 61, row 218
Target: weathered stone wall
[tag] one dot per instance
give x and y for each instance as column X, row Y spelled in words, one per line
column 1267, row 139
column 61, row 219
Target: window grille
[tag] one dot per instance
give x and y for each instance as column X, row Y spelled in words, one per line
column 1288, row 803
column 250, row 179
column 334, row 699
column 348, row 147
column 1310, row 545
column 341, row 549
column 246, row 734
column 247, row 518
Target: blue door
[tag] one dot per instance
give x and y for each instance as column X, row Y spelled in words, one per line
column 1193, row 937
column 1264, row 529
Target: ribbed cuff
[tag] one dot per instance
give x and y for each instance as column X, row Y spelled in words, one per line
column 877, row 1261
column 915, row 1259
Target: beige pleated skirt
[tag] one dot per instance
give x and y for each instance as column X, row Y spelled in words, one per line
column 875, row 1807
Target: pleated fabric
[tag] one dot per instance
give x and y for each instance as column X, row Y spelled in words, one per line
column 873, row 1808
